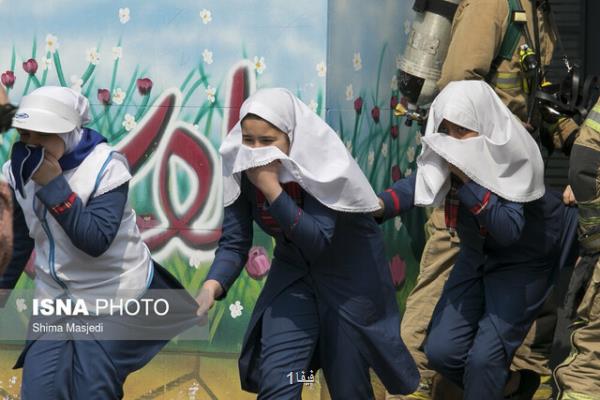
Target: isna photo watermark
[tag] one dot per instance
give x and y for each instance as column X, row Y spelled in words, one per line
column 112, row 307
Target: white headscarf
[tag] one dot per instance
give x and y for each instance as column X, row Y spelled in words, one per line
column 40, row 112
column 318, row 160
column 503, row 158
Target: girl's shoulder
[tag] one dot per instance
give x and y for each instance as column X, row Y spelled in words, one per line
column 109, row 167
column 105, row 154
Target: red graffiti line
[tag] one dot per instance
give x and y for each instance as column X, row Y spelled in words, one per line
column 139, row 149
column 140, row 146
column 184, row 145
column 240, row 90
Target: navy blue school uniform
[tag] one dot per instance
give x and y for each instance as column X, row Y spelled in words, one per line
column 86, row 369
column 328, row 300
column 94, row 369
column 508, row 259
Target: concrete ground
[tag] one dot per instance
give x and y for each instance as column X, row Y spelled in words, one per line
column 172, row 376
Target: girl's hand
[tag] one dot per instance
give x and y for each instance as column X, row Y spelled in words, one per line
column 206, row 299
column 569, row 197
column 379, row 213
column 461, row 175
column 266, row 179
column 49, row 170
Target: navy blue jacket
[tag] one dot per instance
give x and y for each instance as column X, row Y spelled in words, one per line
column 343, row 256
column 538, row 236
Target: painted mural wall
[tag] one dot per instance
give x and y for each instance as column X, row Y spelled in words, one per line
column 166, row 79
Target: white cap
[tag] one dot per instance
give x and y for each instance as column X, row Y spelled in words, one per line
column 45, row 115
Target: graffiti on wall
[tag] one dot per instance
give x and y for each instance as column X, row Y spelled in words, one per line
column 165, row 82
column 162, row 145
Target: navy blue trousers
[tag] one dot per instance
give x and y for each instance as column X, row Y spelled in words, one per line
column 84, row 369
column 97, row 369
column 479, row 322
column 293, row 334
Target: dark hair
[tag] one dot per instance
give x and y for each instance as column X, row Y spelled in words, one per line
column 7, row 111
column 254, row 116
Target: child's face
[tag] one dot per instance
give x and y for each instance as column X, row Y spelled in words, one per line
column 257, row 132
column 456, row 131
column 51, row 142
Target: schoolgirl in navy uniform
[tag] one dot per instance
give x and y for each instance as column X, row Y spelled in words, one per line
column 70, row 191
column 480, row 161
column 329, row 300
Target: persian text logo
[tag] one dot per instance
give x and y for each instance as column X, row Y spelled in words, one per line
column 301, row 377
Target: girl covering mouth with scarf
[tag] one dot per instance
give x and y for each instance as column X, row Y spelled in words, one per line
column 329, row 300
column 514, row 234
column 70, row 191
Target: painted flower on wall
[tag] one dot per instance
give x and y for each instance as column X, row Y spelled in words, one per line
column 124, row 15
column 129, row 122
column 8, row 79
column 117, row 52
column 384, row 150
column 104, row 96
column 21, row 304
column 375, row 114
column 30, row 66
column 258, row 264
column 321, row 69
column 408, row 172
column 313, row 105
column 51, row 43
column 357, row 62
column 207, row 56
column 259, row 64
column 206, row 16
column 396, row 173
column 349, row 145
column 76, row 83
column 92, row 56
column 398, row 269
column 195, row 260
column 46, row 64
column 210, row 93
column 358, row 103
column 410, row 154
column 236, row 309
column 394, row 131
column 118, row 96
column 371, row 158
column 349, row 92
column 144, row 86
